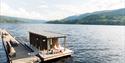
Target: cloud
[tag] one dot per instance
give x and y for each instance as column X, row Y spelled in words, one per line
column 4, row 8
column 106, row 4
column 73, row 9
column 20, row 12
column 65, row 10
column 58, row 10
column 93, row 5
column 43, row 6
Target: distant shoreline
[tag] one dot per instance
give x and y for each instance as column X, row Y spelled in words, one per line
column 88, row 24
column 60, row 23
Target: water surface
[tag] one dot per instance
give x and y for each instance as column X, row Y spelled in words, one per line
column 90, row 43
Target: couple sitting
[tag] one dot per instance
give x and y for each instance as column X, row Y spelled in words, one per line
column 58, row 49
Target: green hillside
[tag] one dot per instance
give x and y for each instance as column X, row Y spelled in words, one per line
column 108, row 17
column 5, row 19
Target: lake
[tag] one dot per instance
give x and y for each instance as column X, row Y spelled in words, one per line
column 90, row 43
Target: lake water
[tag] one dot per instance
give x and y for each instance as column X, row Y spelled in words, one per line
column 90, row 43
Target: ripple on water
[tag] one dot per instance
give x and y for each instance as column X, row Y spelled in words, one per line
column 90, row 43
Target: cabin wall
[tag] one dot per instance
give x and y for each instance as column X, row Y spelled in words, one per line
column 38, row 41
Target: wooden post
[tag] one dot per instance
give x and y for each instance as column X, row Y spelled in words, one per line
column 41, row 45
column 48, row 45
column 64, row 43
column 30, row 39
column 2, row 36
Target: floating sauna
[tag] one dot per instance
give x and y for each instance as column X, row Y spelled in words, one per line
column 48, row 45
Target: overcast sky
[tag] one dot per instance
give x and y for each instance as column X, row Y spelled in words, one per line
column 55, row 9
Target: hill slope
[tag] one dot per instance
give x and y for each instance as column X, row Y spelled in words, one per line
column 8, row 19
column 108, row 17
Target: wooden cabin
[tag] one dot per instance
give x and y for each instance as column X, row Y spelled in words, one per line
column 48, row 45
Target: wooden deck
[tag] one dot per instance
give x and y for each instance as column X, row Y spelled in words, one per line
column 22, row 53
column 47, row 57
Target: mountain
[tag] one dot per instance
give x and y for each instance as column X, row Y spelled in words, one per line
column 8, row 19
column 107, row 17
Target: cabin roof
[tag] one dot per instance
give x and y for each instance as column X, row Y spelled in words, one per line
column 49, row 34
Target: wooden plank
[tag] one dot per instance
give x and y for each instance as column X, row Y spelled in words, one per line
column 48, row 34
column 57, row 55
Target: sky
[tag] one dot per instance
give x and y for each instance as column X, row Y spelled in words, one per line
column 55, row 9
